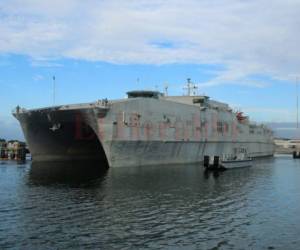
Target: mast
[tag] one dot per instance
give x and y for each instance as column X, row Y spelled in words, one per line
column 191, row 87
column 54, row 90
column 297, row 103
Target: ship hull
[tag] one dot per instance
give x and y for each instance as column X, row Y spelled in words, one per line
column 133, row 133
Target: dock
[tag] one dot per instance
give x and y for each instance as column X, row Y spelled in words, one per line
column 13, row 150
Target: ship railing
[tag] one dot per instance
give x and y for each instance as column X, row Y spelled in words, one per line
column 18, row 110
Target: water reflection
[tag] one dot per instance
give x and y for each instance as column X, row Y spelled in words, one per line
column 208, row 173
column 76, row 173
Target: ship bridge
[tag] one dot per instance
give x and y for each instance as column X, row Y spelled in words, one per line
column 144, row 94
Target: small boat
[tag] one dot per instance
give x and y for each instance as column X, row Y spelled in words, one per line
column 228, row 164
column 239, row 159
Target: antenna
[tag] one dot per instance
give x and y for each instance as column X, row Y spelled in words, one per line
column 166, row 89
column 54, row 90
column 297, row 100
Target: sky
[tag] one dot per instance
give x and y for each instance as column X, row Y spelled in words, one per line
column 245, row 53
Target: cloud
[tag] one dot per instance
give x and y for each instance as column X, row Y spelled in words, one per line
column 231, row 77
column 45, row 63
column 38, row 77
column 247, row 37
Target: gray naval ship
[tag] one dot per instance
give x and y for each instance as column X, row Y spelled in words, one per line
column 146, row 128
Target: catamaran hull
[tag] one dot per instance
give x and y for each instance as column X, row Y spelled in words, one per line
column 120, row 135
column 63, row 145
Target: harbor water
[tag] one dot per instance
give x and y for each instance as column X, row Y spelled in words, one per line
column 168, row 207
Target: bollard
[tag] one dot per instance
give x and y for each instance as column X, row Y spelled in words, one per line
column 216, row 161
column 206, row 161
